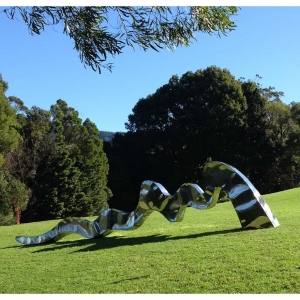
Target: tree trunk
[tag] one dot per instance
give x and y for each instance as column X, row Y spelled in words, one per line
column 17, row 214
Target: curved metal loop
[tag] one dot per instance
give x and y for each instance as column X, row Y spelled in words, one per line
column 251, row 209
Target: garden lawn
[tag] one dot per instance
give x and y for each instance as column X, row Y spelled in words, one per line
column 207, row 252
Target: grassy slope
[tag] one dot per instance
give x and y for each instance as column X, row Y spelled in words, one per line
column 205, row 253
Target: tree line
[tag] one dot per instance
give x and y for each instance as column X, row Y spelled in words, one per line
column 53, row 165
column 204, row 115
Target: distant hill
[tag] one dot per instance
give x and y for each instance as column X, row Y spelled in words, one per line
column 107, row 136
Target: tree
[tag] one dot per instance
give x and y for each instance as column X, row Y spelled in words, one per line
column 293, row 154
column 58, row 191
column 71, row 178
column 273, row 161
column 36, row 147
column 98, row 32
column 280, row 121
column 208, row 103
column 93, row 164
column 259, row 152
column 36, row 143
column 295, row 112
column 173, row 131
column 283, row 131
column 9, row 136
column 14, row 196
column 209, row 113
column 51, row 165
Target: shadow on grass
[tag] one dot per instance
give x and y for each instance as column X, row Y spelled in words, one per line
column 117, row 241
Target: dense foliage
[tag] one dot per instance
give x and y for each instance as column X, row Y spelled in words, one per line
column 53, row 165
column 206, row 114
column 13, row 194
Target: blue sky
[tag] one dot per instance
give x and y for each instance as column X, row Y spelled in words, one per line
column 42, row 69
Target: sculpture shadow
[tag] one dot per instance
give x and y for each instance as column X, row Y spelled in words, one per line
column 97, row 244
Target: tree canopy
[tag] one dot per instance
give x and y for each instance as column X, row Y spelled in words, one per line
column 55, row 166
column 205, row 114
column 9, row 136
column 99, row 31
column 67, row 165
column 52, row 165
column 13, row 194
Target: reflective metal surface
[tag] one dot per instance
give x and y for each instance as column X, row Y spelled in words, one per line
column 251, row 209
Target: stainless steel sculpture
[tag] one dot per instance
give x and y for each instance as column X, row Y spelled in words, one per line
column 251, row 209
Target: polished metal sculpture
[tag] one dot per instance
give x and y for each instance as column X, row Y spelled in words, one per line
column 251, row 209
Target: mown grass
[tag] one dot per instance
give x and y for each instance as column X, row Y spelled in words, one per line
column 207, row 252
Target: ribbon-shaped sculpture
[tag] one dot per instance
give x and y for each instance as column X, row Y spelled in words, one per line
column 251, row 209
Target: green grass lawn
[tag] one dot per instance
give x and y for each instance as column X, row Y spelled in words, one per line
column 207, row 252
